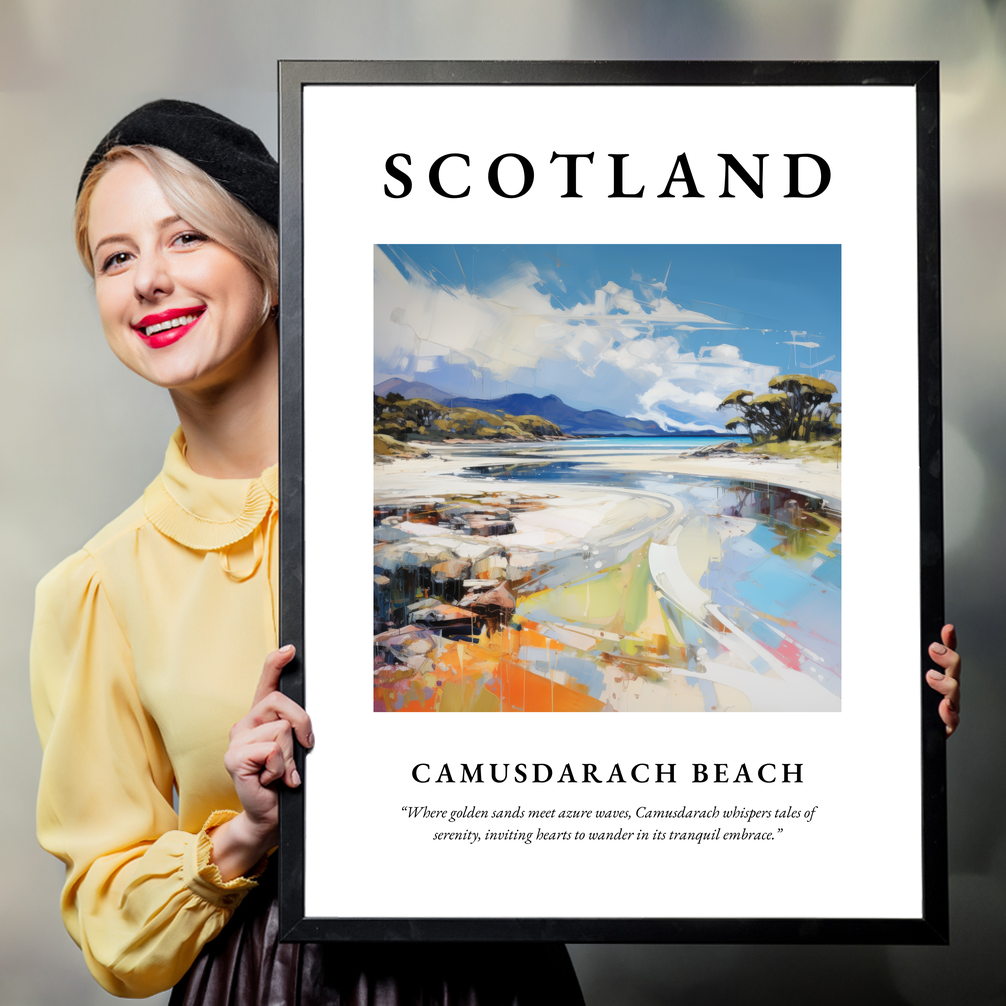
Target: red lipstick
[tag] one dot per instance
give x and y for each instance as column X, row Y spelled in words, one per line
column 166, row 327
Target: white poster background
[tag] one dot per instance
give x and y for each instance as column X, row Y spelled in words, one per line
column 860, row 856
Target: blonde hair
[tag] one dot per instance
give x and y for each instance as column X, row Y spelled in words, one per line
column 199, row 200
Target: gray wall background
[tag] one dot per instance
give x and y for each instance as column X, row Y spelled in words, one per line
column 82, row 436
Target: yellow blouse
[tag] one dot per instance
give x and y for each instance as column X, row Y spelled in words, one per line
column 147, row 647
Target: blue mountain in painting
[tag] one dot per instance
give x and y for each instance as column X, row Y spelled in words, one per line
column 596, row 422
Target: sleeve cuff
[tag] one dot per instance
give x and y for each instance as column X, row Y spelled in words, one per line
column 202, row 876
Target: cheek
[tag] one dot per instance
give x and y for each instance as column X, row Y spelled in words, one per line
column 114, row 315
column 246, row 301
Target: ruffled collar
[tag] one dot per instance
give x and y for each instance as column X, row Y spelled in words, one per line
column 203, row 513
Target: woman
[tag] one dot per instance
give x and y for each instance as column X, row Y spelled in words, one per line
column 148, row 643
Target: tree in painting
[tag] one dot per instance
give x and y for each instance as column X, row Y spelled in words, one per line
column 798, row 408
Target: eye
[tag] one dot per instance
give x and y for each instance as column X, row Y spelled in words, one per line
column 189, row 239
column 115, row 261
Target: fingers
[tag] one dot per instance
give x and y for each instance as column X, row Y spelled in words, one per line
column 948, row 711
column 262, row 761
column 950, row 716
column 279, row 764
column 261, row 749
column 265, row 751
column 277, row 706
column 271, row 671
column 945, row 653
column 270, row 703
column 949, row 660
column 949, row 636
column 947, row 680
column 949, row 688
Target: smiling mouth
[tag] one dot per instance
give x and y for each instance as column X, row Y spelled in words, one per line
column 167, row 324
column 167, row 327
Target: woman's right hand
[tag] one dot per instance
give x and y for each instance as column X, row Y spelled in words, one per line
column 260, row 753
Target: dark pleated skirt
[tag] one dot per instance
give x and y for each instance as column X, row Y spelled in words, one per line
column 246, row 965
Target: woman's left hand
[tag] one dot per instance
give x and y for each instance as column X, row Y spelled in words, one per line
column 947, row 682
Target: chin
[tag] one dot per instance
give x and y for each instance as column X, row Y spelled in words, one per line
column 170, row 374
column 191, row 364
column 194, row 379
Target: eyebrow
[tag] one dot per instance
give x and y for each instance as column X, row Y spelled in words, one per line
column 111, row 238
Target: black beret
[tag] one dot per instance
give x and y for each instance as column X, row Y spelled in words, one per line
column 230, row 154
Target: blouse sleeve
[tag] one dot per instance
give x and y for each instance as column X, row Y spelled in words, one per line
column 141, row 898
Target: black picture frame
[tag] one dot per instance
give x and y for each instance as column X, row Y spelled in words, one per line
column 931, row 927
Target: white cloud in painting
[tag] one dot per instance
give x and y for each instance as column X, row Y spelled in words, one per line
column 515, row 325
column 686, row 383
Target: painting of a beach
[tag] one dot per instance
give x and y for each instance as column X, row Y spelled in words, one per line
column 607, row 478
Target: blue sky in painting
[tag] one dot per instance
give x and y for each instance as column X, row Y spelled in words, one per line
column 660, row 332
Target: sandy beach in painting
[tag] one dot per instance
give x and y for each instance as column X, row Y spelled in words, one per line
column 820, row 478
column 578, row 576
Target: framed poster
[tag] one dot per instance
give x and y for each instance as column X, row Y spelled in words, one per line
column 655, row 354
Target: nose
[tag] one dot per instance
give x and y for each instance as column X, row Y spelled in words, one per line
column 152, row 277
